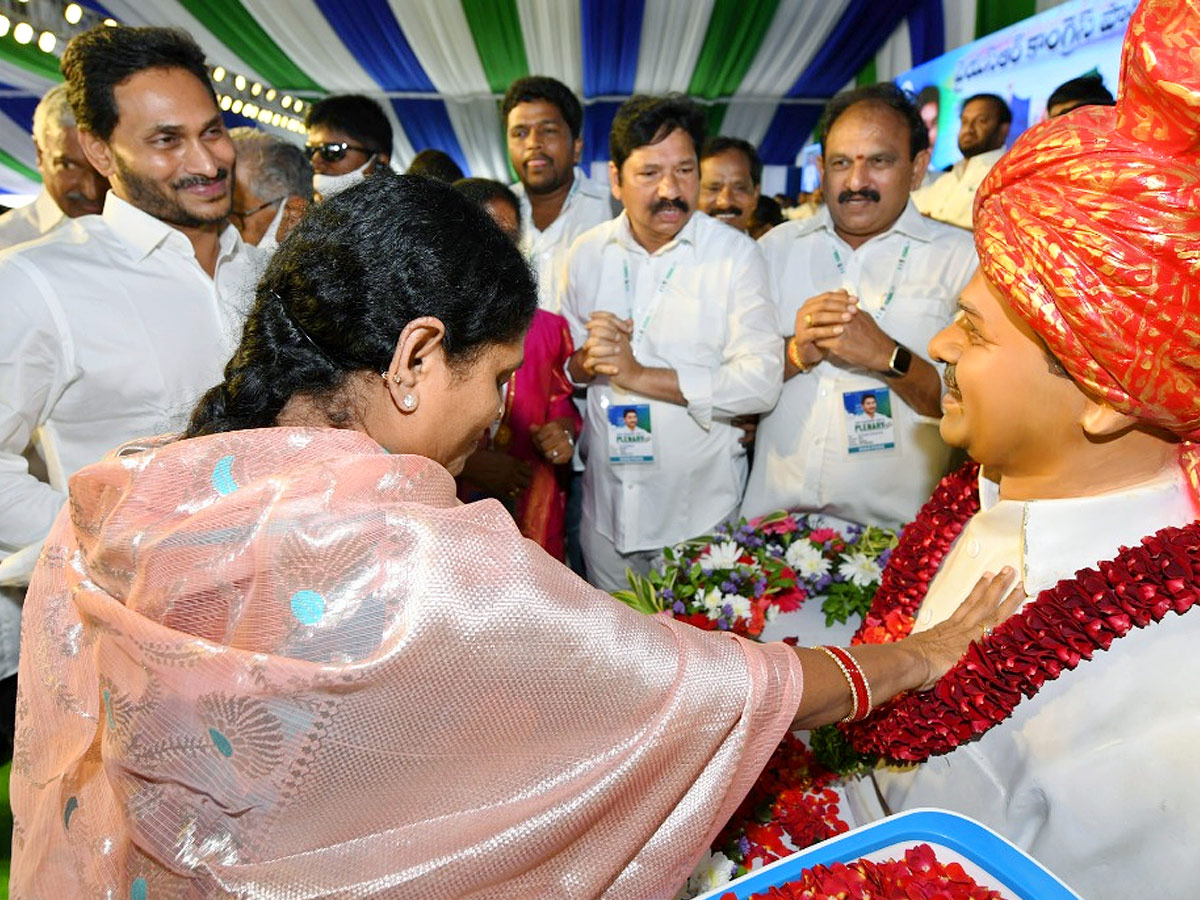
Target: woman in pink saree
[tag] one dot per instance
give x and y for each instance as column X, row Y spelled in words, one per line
column 524, row 461
column 278, row 659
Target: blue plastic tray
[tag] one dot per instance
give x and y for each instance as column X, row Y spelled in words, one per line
column 1011, row 871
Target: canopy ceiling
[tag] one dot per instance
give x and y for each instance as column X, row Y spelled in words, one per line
column 764, row 67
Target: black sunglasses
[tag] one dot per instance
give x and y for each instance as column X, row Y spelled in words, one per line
column 333, row 151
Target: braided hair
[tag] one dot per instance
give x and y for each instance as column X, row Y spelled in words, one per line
column 343, row 285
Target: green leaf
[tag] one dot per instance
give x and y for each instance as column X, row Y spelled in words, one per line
column 833, row 750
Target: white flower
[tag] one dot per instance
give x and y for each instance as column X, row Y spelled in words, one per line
column 713, row 871
column 712, row 602
column 721, row 556
column 860, row 569
column 739, row 604
column 806, row 559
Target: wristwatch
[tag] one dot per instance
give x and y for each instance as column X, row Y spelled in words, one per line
column 900, row 362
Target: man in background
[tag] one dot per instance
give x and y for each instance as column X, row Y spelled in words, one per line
column 543, row 124
column 70, row 186
column 116, row 324
column 730, row 180
column 1086, row 90
column 349, row 136
column 862, row 286
column 983, row 131
column 436, row 164
column 671, row 315
column 272, row 189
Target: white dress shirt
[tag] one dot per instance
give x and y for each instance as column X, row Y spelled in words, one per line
column 700, row 306
column 588, row 204
column 112, row 331
column 951, row 198
column 1096, row 775
column 31, row 221
column 802, row 457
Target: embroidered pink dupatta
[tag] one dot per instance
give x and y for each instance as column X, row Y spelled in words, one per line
column 284, row 664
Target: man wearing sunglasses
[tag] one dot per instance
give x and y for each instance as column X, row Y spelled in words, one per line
column 349, row 135
column 272, row 189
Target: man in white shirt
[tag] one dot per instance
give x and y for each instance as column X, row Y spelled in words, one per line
column 862, row 286
column 1082, row 409
column 543, row 123
column 982, row 133
column 70, row 186
column 670, row 311
column 116, row 324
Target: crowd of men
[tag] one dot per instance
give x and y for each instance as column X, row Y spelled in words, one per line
column 745, row 367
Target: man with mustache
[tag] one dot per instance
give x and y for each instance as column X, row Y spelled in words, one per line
column 862, row 286
column 115, row 324
column 730, row 176
column 70, row 186
column 671, row 315
column 543, row 124
column 982, row 132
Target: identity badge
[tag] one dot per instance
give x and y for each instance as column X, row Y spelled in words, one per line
column 869, row 423
column 629, row 436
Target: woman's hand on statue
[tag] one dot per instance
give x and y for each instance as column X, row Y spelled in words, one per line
column 986, row 606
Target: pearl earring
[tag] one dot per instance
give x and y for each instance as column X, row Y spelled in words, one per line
column 409, row 402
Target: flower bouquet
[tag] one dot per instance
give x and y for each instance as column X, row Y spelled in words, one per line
column 744, row 574
column 737, row 579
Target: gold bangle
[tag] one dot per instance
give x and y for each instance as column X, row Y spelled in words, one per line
column 793, row 355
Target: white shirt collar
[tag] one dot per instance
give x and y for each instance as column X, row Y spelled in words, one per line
column 144, row 234
column 46, row 211
column 910, row 223
column 623, row 235
column 1060, row 536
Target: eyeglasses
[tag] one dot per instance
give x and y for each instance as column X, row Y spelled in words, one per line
column 333, row 151
column 243, row 216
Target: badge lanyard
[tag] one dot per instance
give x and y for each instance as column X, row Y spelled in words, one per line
column 891, row 292
column 640, row 332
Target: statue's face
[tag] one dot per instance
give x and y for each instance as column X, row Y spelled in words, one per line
column 1007, row 403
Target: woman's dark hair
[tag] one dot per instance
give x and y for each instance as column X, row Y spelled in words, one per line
column 540, row 87
column 100, row 58
column 883, row 94
column 359, row 117
column 643, row 120
column 346, row 281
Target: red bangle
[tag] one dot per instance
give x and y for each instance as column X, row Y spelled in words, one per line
column 860, row 688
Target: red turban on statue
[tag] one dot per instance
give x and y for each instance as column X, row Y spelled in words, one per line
column 1090, row 227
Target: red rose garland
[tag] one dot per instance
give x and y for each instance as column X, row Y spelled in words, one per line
column 1052, row 633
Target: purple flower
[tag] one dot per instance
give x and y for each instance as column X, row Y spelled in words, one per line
column 822, row 583
column 668, row 594
column 723, row 624
column 759, row 587
column 884, row 557
column 743, row 845
column 728, row 587
column 727, row 609
column 678, row 607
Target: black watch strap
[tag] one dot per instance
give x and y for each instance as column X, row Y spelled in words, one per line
column 900, row 362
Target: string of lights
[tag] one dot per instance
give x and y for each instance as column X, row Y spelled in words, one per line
column 50, row 24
